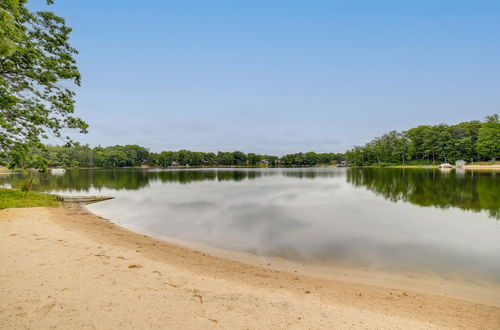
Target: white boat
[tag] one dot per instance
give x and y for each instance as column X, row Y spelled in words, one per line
column 57, row 171
column 445, row 165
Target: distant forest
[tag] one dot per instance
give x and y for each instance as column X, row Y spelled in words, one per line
column 135, row 156
column 473, row 140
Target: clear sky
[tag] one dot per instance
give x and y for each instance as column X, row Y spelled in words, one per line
column 279, row 76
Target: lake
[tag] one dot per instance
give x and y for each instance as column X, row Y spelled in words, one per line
column 445, row 222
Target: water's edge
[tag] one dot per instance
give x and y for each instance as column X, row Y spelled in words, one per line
column 431, row 283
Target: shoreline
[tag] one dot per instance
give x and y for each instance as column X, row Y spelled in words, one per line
column 495, row 167
column 466, row 167
column 452, row 285
column 67, row 266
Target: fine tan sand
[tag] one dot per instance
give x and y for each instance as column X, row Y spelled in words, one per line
column 66, row 268
column 4, row 170
column 495, row 167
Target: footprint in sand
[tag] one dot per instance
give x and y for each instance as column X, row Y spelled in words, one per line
column 134, row 266
column 208, row 318
column 102, row 255
column 172, row 285
column 45, row 309
column 196, row 294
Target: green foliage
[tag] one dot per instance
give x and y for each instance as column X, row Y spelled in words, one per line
column 421, row 145
column 10, row 32
column 488, row 143
column 37, row 69
column 135, row 156
column 84, row 156
column 311, row 159
column 431, row 144
column 16, row 198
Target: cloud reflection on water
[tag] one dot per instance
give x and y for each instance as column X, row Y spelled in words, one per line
column 375, row 217
column 320, row 218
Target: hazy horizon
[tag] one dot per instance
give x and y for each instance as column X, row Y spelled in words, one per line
column 275, row 77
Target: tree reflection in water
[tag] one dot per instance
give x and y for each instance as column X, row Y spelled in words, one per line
column 466, row 190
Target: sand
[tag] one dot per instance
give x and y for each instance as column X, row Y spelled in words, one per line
column 495, row 167
column 483, row 167
column 66, row 268
column 4, row 170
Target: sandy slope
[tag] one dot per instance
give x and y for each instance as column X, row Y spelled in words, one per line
column 65, row 268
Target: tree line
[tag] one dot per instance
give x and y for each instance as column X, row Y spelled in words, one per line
column 426, row 144
column 136, row 156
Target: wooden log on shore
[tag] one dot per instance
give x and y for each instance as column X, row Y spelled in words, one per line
column 83, row 199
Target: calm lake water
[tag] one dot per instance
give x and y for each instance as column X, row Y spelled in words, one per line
column 426, row 219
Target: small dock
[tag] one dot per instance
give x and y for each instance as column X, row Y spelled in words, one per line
column 83, row 199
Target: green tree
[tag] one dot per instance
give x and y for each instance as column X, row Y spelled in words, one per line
column 209, row 158
column 165, row 158
column 488, row 142
column 225, row 158
column 464, row 139
column 37, row 69
column 310, row 158
column 425, row 144
column 253, row 159
column 10, row 32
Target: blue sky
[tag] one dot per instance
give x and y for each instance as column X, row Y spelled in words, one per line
column 279, row 76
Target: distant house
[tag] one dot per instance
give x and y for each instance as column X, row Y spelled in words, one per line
column 264, row 162
column 343, row 163
column 174, row 163
column 460, row 163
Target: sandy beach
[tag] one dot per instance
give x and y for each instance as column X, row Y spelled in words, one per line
column 4, row 170
column 495, row 167
column 66, row 268
column 482, row 167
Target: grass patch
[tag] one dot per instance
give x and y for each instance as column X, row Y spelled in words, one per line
column 15, row 198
